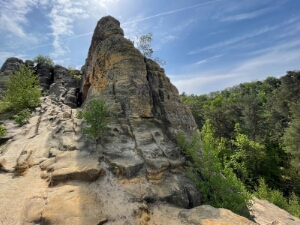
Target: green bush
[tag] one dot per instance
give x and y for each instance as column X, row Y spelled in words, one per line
column 73, row 73
column 43, row 59
column 22, row 90
column 22, row 117
column 79, row 114
column 97, row 118
column 2, row 131
column 218, row 185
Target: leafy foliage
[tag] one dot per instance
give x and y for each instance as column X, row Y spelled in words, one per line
column 43, row 59
column 291, row 138
column 2, row 131
column 218, row 185
column 22, row 117
column 73, row 73
column 266, row 141
column 143, row 44
column 97, row 118
column 22, row 90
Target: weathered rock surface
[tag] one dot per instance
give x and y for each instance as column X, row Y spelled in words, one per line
column 8, row 67
column 134, row 87
column 266, row 213
column 208, row 215
column 141, row 142
column 65, row 85
column 45, row 72
column 72, row 165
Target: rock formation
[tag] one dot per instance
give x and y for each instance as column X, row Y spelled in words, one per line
column 141, row 141
column 64, row 84
column 9, row 66
column 51, row 173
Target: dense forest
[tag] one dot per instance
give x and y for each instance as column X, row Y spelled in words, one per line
column 259, row 124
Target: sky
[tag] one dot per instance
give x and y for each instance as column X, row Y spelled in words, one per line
column 208, row 45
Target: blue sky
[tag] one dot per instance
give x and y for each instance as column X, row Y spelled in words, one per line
column 208, row 45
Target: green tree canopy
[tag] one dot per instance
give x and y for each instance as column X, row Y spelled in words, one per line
column 43, row 59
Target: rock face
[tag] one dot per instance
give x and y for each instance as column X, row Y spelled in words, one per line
column 141, row 142
column 134, row 87
column 64, row 85
column 9, row 66
column 45, row 72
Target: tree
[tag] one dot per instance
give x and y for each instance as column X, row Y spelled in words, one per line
column 291, row 137
column 22, row 89
column 218, row 185
column 43, row 59
column 247, row 159
column 143, row 44
column 96, row 115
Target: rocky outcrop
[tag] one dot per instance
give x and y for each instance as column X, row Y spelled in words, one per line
column 141, row 142
column 45, row 72
column 134, row 87
column 65, row 85
column 9, row 66
column 266, row 213
column 208, row 215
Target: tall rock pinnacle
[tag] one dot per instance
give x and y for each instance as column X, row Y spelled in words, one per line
column 134, row 86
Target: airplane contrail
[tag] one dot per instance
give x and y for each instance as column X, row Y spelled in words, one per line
column 170, row 12
column 142, row 19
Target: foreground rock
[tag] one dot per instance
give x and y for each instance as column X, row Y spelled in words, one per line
column 266, row 213
column 208, row 215
column 66, row 205
column 72, row 165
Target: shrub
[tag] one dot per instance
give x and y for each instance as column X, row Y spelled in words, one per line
column 43, row 59
column 73, row 73
column 219, row 186
column 2, row 131
column 79, row 114
column 22, row 117
column 96, row 115
column 22, row 90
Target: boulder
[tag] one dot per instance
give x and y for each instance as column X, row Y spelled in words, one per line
column 266, row 213
column 208, row 215
column 79, row 205
column 66, row 166
column 57, row 90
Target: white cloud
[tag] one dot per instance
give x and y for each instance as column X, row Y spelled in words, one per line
column 203, row 84
column 208, row 59
column 13, row 15
column 249, row 15
column 234, row 40
column 270, row 61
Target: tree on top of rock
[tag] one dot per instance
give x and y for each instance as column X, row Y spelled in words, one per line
column 143, row 44
column 43, row 59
